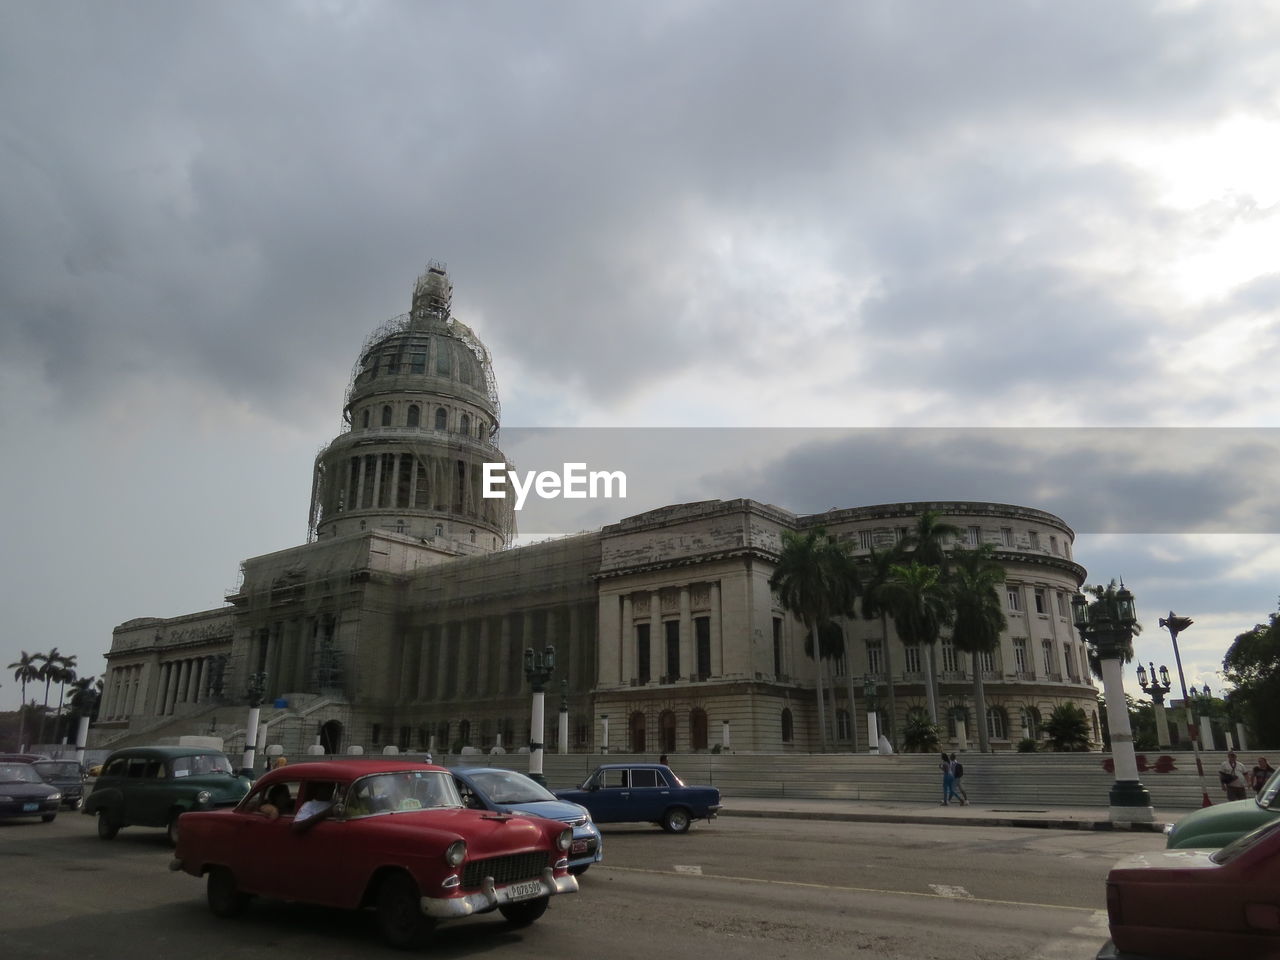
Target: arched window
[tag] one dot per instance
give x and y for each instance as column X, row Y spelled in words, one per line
column 441, row 418
column 473, row 536
column 364, row 420
column 1097, row 733
column 636, row 728
column 698, row 729
column 667, row 731
column 844, row 729
column 386, row 415
column 464, row 732
column 997, row 723
column 955, row 717
column 442, row 736
column 480, row 428
column 464, row 425
column 1031, row 723
column 415, row 415
column 788, row 726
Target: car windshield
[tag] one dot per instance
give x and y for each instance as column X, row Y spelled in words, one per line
column 18, row 773
column 1241, row 844
column 507, row 786
column 57, row 769
column 402, row 791
column 201, row 764
column 1270, row 790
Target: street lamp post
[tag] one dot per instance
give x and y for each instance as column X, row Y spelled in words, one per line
column 1175, row 625
column 1108, row 624
column 1204, row 700
column 538, row 668
column 873, row 721
column 604, row 733
column 1156, row 688
column 564, row 716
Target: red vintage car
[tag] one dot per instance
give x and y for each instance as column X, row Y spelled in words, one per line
column 393, row 836
column 1198, row 904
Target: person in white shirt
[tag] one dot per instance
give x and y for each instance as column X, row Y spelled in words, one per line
column 1232, row 775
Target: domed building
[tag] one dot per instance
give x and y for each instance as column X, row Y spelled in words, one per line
column 401, row 622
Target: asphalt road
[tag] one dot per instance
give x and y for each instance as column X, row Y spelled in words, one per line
column 736, row 888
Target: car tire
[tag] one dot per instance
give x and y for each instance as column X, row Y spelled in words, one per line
column 580, row 870
column 676, row 820
column 525, row 912
column 400, row 917
column 172, row 827
column 107, row 828
column 225, row 898
column 47, row 817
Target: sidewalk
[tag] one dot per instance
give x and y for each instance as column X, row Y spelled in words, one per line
column 974, row 815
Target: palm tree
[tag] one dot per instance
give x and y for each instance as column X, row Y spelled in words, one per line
column 86, row 694
column 1068, row 728
column 24, row 670
column 48, row 672
column 877, row 571
column 813, row 581
column 927, row 542
column 66, row 674
column 979, row 619
column 831, row 647
column 918, row 601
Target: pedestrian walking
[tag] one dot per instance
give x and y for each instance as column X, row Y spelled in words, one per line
column 948, row 780
column 1232, row 775
column 1260, row 774
column 957, row 771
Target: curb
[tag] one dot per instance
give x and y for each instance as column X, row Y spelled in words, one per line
column 1045, row 823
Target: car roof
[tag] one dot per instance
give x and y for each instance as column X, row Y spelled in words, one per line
column 163, row 752
column 463, row 771
column 343, row 769
column 632, row 766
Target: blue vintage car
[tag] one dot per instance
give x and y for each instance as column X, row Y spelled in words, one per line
column 643, row 793
column 506, row 791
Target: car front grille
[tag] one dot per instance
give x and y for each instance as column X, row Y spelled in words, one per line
column 504, row 870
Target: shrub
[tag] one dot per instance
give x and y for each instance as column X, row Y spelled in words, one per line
column 1028, row 745
column 919, row 735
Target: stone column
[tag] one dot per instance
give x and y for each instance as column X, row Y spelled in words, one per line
column 657, row 639
column 504, row 654
column 377, row 481
column 162, row 688
column 526, row 641
column 573, row 673
column 717, row 641
column 442, row 663
column 465, row 651
column 628, row 669
column 688, row 662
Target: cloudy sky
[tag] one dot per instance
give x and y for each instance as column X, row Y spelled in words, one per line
column 955, row 215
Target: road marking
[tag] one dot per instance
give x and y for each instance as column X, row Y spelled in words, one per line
column 1084, row 940
column 954, row 893
column 692, row 870
column 847, row 889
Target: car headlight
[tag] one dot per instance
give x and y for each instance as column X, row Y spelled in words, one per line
column 456, row 853
column 565, row 840
column 55, row 796
column 203, row 798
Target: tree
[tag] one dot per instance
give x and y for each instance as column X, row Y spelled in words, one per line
column 26, row 670
column 831, row 647
column 86, row 694
column 919, row 735
column 1068, row 729
column 1252, row 666
column 66, row 674
column 979, row 619
column 815, row 580
column 921, row 607
column 50, row 671
column 878, row 571
column 927, row 542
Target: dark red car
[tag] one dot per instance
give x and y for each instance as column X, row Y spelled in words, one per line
column 387, row 835
column 1198, row 904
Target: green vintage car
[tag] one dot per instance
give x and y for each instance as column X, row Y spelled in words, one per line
column 154, row 786
column 1218, row 825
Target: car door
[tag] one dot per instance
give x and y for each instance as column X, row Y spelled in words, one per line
column 610, row 801
column 146, row 792
column 650, row 794
column 287, row 863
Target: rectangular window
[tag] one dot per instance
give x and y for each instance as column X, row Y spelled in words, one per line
column 1071, row 664
column 672, row 628
column 702, row 631
column 1006, row 536
column 987, row 661
column 1053, row 545
column 642, row 652
column 777, row 646
column 913, row 659
column 1084, row 661
column 1042, row 602
column 864, row 539
column 417, row 363
column 1047, row 648
column 974, row 538
column 949, row 656
column 1015, row 599
column 1020, row 654
column 1035, row 539
column 875, row 665
column 1062, row 604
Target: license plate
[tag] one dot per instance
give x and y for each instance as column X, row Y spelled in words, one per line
column 525, row 891
column 579, row 846
column 29, row 807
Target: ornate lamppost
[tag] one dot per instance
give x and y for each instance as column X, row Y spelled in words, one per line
column 1156, row 687
column 604, row 733
column 873, row 721
column 254, row 694
column 1204, row 700
column 1108, row 623
column 564, row 716
column 538, row 668
column 1175, row 625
